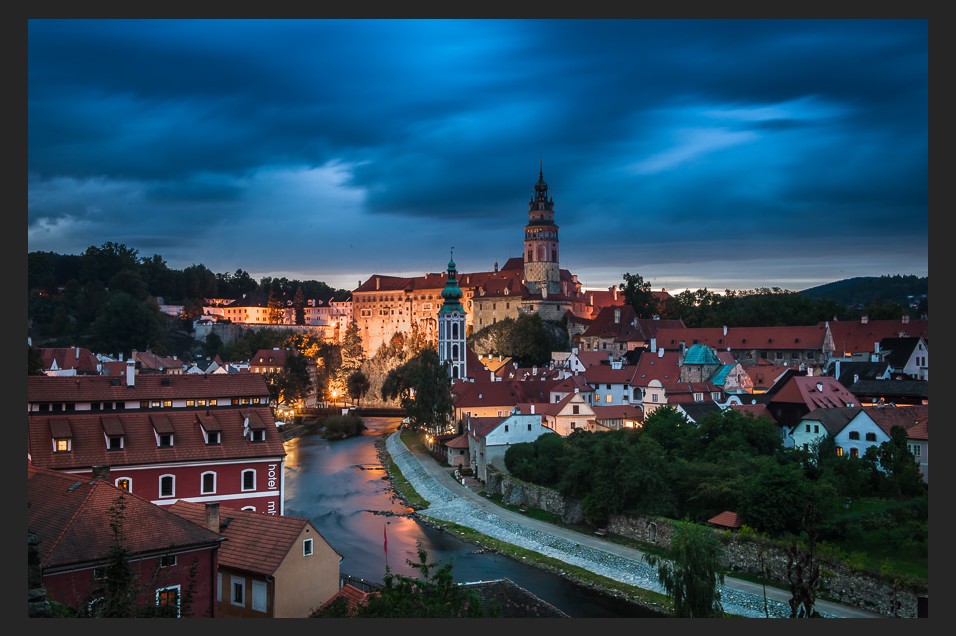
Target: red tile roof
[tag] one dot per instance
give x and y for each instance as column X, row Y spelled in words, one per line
column 140, row 446
column 605, row 374
column 352, row 595
column 255, row 541
column 915, row 419
column 815, row 392
column 726, row 519
column 745, row 338
column 653, row 366
column 857, row 337
column 79, row 358
column 618, row 412
column 145, row 387
column 757, row 410
column 70, row 516
column 149, row 361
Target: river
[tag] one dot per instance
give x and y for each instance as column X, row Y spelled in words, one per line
column 343, row 489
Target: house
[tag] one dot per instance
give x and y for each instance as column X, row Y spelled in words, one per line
column 204, row 438
column 611, row 383
column 653, row 371
column 908, row 357
column 915, row 421
column 821, row 423
column 858, row 340
column 490, row 437
column 71, row 515
column 614, row 418
column 569, row 414
column 850, row 372
column 896, row 392
column 485, row 398
column 148, row 362
column 797, row 395
column 68, row 361
column 269, row 566
column 617, row 330
column 695, row 411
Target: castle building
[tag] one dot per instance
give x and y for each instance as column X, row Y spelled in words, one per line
column 533, row 283
column 451, row 327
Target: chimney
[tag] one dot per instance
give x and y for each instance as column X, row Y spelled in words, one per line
column 614, row 292
column 101, row 472
column 906, row 320
column 864, row 319
column 130, row 373
column 377, row 280
column 492, row 375
column 725, row 330
column 660, row 353
column 212, row 516
column 876, row 347
column 532, row 409
column 77, row 353
column 617, row 316
column 653, row 344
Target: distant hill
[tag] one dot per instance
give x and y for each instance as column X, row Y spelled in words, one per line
column 863, row 290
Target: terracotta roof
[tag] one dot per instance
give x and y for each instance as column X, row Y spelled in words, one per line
column 606, row 374
column 764, row 376
column 255, row 541
column 459, row 441
column 857, row 337
column 480, row 426
column 745, row 338
column 79, row 358
column 149, row 361
column 757, row 410
column 915, row 419
column 653, row 366
column 145, row 387
column 618, row 412
column 815, row 392
column 352, row 595
column 618, row 323
column 140, row 447
column 726, row 519
column 503, row 393
column 70, row 514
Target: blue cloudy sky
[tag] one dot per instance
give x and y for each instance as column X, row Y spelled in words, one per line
column 727, row 154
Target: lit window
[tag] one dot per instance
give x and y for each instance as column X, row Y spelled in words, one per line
column 167, row 404
column 125, row 483
column 62, row 445
column 168, row 597
column 839, row 451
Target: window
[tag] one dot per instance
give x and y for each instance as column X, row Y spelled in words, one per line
column 238, row 596
column 854, row 435
column 200, row 402
column 808, row 428
column 190, row 402
column 575, row 409
column 259, row 596
column 168, row 597
column 219, row 587
column 213, row 402
column 654, row 398
column 607, row 398
column 61, row 445
column 125, row 483
column 506, row 428
column 167, row 404
column 167, row 561
column 854, row 452
column 839, row 451
column 698, row 397
column 914, row 449
column 307, row 547
column 115, row 442
column 871, row 437
column 249, row 479
column 167, row 486
column 165, row 440
column 208, row 483
column 212, row 438
column 597, row 398
column 816, row 428
column 529, row 427
column 257, row 435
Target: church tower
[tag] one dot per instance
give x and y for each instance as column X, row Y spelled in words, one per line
column 451, row 326
column 541, row 269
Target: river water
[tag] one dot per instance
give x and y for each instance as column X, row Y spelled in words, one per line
column 343, row 489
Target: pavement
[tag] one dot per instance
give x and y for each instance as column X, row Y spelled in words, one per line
column 451, row 501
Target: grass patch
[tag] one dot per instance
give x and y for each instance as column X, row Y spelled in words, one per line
column 403, row 487
column 647, row 598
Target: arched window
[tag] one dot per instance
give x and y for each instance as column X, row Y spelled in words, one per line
column 454, row 352
column 208, row 483
column 454, row 331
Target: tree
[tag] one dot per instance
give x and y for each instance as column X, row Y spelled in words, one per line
column 638, row 295
column 275, row 309
column 423, row 389
column 803, row 571
column 358, row 386
column 692, row 576
column 298, row 304
column 433, row 594
column 903, row 474
column 34, row 361
column 292, row 383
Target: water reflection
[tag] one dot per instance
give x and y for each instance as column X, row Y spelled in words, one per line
column 344, row 490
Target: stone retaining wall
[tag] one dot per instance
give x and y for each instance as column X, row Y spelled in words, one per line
column 742, row 554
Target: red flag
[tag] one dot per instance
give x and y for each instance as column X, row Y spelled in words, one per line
column 385, row 530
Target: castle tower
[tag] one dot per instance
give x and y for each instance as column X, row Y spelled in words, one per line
column 541, row 269
column 451, row 326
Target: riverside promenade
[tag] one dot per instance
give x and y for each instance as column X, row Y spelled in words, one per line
column 450, row 501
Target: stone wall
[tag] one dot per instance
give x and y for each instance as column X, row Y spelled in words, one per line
column 742, row 553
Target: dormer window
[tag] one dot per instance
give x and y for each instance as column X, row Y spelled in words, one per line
column 62, row 435
column 162, row 430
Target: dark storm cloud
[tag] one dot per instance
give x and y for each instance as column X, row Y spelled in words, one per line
column 181, row 135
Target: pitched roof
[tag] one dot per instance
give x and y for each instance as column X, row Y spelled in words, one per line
column 479, row 427
column 606, row 374
column 663, row 366
column 765, row 375
column 726, row 519
column 700, row 354
column 757, row 410
column 745, row 338
column 915, row 419
column 618, row 412
column 900, row 350
column 857, row 336
column 79, row 358
column 815, row 392
column 139, row 443
column 858, row 369
column 504, row 393
column 618, row 323
column 890, row 389
column 145, row 387
column 149, row 361
column 70, row 514
column 255, row 541
column 353, row 597
column 833, row 419
column 696, row 410
column 512, row 600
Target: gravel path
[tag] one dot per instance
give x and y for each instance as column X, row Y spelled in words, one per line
column 451, row 502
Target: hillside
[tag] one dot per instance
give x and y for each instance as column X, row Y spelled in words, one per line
column 864, row 290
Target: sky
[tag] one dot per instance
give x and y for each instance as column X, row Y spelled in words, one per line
column 711, row 153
